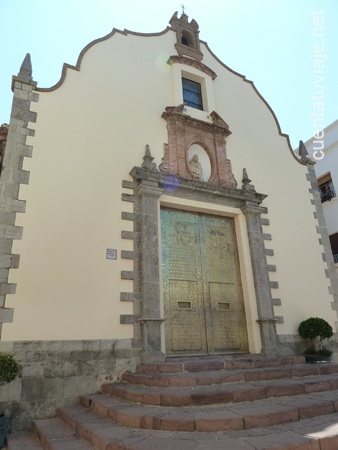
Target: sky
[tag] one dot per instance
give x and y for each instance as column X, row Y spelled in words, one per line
column 288, row 48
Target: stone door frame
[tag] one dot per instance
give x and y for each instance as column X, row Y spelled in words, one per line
column 150, row 186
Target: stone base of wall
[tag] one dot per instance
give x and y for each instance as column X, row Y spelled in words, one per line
column 55, row 373
column 290, row 344
column 293, row 344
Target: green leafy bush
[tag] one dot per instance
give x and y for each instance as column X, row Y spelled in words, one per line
column 9, row 368
column 317, row 330
column 315, row 327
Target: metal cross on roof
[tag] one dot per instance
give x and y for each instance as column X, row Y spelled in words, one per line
column 183, row 9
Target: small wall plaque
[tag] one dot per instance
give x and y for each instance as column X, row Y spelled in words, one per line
column 111, row 253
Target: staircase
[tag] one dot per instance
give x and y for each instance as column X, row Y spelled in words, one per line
column 231, row 403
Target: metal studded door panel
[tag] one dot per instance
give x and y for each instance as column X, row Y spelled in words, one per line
column 225, row 315
column 227, row 324
column 182, row 284
column 203, row 302
column 187, row 330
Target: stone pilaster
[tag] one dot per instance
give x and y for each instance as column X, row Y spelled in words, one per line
column 266, row 320
column 148, row 194
column 12, row 176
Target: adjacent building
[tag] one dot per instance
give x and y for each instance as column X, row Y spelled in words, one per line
column 326, row 152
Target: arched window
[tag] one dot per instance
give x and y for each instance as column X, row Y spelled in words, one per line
column 187, row 39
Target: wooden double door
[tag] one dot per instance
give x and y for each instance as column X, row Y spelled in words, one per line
column 203, row 299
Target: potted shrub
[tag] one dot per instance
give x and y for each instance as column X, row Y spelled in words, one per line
column 9, row 370
column 318, row 330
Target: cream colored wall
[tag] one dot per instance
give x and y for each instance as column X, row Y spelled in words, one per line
column 90, row 132
column 256, row 145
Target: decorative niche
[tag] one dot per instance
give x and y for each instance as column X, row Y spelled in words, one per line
column 197, row 149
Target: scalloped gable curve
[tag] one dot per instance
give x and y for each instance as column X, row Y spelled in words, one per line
column 125, row 32
column 77, row 67
column 284, row 135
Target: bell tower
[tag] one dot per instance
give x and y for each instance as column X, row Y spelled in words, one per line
column 187, row 36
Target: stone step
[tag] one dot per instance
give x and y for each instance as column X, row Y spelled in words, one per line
column 23, row 441
column 235, row 416
column 56, row 435
column 185, row 358
column 222, row 393
column 230, row 403
column 320, row 433
column 227, row 376
column 203, row 364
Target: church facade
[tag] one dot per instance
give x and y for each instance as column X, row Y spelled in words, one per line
column 151, row 208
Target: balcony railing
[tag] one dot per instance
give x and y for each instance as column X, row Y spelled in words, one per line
column 327, row 194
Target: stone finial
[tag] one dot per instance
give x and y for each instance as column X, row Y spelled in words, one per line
column 303, row 153
column 26, row 69
column 246, row 179
column 247, row 182
column 147, row 160
column 25, row 73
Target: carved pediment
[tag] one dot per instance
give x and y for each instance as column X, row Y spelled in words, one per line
column 195, row 146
